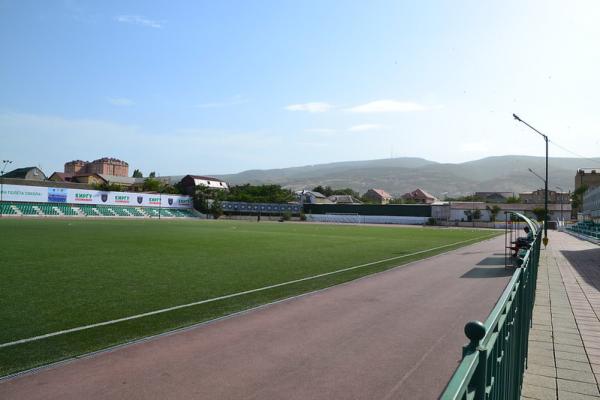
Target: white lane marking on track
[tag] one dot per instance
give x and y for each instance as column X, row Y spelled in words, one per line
column 228, row 296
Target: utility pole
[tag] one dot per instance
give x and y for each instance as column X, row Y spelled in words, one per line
column 545, row 240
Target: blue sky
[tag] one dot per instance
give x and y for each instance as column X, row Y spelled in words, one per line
column 218, row 87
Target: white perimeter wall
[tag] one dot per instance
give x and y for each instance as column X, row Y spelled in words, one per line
column 366, row 219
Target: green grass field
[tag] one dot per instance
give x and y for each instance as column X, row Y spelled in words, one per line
column 62, row 274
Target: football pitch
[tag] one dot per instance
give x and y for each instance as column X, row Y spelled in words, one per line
column 70, row 287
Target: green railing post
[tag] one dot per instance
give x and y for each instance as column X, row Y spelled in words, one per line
column 475, row 331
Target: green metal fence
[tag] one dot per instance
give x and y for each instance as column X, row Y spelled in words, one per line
column 496, row 357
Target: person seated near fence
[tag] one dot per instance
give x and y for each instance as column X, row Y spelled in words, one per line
column 522, row 243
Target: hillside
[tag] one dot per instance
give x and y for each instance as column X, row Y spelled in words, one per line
column 399, row 175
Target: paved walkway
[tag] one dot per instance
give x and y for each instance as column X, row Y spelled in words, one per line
column 564, row 344
column 394, row 335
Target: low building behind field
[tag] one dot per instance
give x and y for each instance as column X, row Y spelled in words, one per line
column 419, row 196
column 378, row 196
column 589, row 177
column 27, row 173
column 537, row 197
column 191, row 182
column 494, row 197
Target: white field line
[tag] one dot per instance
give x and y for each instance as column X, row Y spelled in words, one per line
column 228, row 296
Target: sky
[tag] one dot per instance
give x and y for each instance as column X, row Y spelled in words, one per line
column 213, row 87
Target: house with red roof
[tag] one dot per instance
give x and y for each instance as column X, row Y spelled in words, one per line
column 419, row 196
column 378, row 196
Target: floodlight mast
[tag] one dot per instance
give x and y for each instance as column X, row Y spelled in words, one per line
column 545, row 180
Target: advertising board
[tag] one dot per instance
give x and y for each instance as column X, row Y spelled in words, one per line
column 39, row 194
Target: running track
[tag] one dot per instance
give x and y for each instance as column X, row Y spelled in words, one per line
column 394, row 335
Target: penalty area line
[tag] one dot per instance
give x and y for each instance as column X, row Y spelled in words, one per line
column 228, row 296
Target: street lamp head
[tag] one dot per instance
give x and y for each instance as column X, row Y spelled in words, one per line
column 516, row 117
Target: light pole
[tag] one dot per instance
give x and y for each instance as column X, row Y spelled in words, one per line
column 545, row 240
column 533, row 172
column 4, row 164
column 561, row 204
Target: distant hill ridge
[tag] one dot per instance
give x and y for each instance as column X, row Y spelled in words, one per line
column 400, row 175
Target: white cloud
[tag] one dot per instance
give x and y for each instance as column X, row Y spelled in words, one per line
column 139, row 20
column 314, row 107
column 120, row 101
column 388, row 106
column 365, row 127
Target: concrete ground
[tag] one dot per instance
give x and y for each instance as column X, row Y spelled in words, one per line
column 564, row 344
column 397, row 334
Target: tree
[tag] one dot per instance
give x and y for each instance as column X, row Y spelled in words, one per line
column 151, row 185
column 469, row 215
column 137, row 174
column 326, row 191
column 204, row 196
column 257, row 194
column 470, row 197
column 539, row 212
column 216, row 209
column 494, row 212
column 152, row 175
column 477, row 214
column 577, row 197
column 513, row 200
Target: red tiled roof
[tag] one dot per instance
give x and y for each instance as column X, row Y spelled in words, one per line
column 382, row 193
column 418, row 194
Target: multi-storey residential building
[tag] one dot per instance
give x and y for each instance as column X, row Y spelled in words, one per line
column 104, row 166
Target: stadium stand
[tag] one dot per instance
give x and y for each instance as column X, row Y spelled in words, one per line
column 26, row 209
column 6, row 209
column 65, row 210
column 87, row 210
column 587, row 228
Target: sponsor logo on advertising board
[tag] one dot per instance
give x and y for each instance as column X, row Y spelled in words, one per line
column 104, row 197
column 170, row 202
column 154, row 200
column 83, row 197
column 140, row 199
column 23, row 193
column 184, row 201
column 122, row 199
column 57, row 195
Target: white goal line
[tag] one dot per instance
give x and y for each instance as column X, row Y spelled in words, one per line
column 228, row 296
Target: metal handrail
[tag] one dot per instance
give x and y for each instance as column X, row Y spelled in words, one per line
column 495, row 359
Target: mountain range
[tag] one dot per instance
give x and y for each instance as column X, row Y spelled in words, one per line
column 400, row 175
